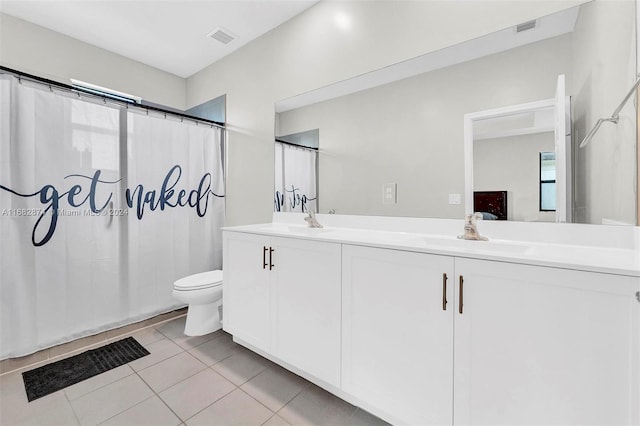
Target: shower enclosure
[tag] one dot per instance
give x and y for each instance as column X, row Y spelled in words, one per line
column 103, row 204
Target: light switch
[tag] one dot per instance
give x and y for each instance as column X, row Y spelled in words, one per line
column 389, row 191
column 454, row 198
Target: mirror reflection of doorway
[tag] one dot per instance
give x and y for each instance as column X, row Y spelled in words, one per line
column 525, row 150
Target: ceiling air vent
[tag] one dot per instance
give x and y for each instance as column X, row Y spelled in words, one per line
column 222, row 35
column 529, row 25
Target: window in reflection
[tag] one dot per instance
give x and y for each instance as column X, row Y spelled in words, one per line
column 547, row 181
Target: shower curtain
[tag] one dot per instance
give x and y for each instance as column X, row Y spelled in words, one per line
column 101, row 209
column 296, row 179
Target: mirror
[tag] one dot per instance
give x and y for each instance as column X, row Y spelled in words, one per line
column 391, row 142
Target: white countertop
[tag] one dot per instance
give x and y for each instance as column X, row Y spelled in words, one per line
column 620, row 261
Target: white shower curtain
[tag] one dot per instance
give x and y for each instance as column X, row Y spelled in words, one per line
column 76, row 257
column 295, row 178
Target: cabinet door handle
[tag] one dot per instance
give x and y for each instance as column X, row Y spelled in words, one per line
column 444, row 292
column 271, row 258
column 264, row 257
column 461, row 293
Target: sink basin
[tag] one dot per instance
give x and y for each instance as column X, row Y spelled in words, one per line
column 458, row 244
column 298, row 229
column 305, row 230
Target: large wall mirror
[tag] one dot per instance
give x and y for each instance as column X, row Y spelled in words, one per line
column 392, row 142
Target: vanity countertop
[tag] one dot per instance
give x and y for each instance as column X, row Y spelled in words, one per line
column 579, row 257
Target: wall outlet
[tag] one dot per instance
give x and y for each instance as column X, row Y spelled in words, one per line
column 389, row 193
column 454, row 198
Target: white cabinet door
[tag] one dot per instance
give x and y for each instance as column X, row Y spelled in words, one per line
column 397, row 340
column 246, row 288
column 537, row 345
column 306, row 306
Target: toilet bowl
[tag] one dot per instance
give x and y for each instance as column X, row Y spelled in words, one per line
column 203, row 293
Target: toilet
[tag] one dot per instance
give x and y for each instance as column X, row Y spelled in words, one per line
column 203, row 293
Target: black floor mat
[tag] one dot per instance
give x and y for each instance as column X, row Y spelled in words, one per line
column 58, row 375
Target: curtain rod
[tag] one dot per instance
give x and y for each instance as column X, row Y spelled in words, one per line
column 296, row 145
column 50, row 83
column 614, row 117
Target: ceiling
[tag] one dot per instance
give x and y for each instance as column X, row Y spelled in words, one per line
column 170, row 35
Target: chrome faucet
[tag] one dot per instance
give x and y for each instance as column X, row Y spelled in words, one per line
column 312, row 221
column 471, row 228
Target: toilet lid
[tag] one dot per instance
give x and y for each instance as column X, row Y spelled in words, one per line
column 198, row 281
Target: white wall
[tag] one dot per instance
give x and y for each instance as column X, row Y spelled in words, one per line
column 310, row 51
column 36, row 50
column 605, row 32
column 513, row 165
column 411, row 132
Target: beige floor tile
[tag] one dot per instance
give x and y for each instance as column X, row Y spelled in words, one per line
column 11, row 383
column 216, row 350
column 275, row 387
column 315, row 406
column 237, row 408
column 60, row 414
column 171, row 371
column 148, row 335
column 158, row 351
column 363, row 418
column 241, row 366
column 110, row 400
column 15, row 409
column 151, row 412
column 174, row 330
column 276, row 420
column 96, row 382
column 196, row 393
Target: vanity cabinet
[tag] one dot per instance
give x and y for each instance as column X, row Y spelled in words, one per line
column 282, row 296
column 538, row 345
column 427, row 339
column 246, row 295
column 397, row 333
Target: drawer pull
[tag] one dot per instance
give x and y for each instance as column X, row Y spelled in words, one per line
column 271, row 258
column 264, row 257
column 444, row 292
column 461, row 293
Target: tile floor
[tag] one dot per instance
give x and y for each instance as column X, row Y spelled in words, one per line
column 207, row 380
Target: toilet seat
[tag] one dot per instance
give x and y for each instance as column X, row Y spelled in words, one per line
column 199, row 281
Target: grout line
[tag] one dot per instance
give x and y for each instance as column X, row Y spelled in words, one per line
column 305, row 387
column 134, row 405
column 158, row 362
column 73, row 410
column 200, row 411
column 99, row 387
column 160, row 398
column 273, row 412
